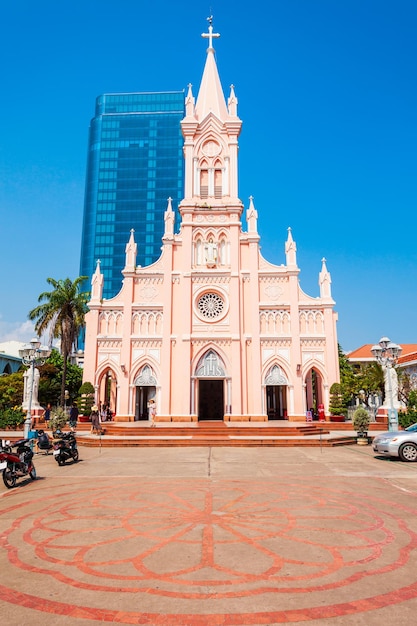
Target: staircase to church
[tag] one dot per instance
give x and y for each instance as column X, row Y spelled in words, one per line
column 214, row 434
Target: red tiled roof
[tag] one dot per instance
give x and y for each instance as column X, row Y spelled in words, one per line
column 407, row 358
column 364, row 353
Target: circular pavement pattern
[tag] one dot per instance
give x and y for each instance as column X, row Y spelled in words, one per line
column 184, row 552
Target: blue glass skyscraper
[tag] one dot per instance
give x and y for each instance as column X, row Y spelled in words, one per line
column 135, row 163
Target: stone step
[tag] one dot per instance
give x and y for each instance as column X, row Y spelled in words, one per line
column 212, row 442
column 190, row 431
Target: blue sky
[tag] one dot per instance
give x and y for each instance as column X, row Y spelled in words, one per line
column 328, row 97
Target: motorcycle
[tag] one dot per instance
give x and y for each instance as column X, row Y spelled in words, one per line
column 17, row 464
column 65, row 448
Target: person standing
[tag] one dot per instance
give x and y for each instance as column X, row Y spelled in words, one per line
column 152, row 411
column 103, row 413
column 73, row 417
column 95, row 421
column 47, row 414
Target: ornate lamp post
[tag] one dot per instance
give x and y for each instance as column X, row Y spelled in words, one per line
column 386, row 353
column 32, row 354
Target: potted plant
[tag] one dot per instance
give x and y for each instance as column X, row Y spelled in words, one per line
column 336, row 403
column 85, row 401
column 59, row 418
column 361, row 425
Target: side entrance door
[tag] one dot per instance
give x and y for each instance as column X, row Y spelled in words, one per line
column 143, row 395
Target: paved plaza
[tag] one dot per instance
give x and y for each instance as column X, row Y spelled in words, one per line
column 211, row 536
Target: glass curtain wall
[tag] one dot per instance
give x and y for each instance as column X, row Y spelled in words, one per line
column 135, row 163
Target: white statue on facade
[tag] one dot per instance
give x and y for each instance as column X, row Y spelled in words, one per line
column 210, row 252
column 31, row 389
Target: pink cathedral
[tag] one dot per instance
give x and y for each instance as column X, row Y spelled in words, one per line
column 212, row 330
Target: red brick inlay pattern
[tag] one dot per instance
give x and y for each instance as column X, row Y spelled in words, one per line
column 194, row 552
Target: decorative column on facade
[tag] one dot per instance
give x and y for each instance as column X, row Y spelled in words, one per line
column 304, row 407
column 225, row 177
column 330, row 318
column 125, row 354
column 131, row 407
column 196, row 173
column 188, row 126
column 211, row 181
column 254, row 361
column 296, row 353
column 291, row 403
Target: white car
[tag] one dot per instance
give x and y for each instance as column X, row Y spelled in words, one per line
column 397, row 443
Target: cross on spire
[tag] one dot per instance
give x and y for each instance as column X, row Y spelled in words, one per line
column 210, row 34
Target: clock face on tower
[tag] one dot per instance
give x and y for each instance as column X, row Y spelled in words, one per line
column 211, row 148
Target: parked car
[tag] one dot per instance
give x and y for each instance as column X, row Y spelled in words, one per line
column 397, row 443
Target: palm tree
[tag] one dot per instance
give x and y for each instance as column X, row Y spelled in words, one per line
column 62, row 313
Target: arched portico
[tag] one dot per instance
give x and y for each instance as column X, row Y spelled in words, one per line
column 106, row 388
column 314, row 389
column 145, row 386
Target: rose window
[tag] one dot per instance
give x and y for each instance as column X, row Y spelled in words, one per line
column 210, row 305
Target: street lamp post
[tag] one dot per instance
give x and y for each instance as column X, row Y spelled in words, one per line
column 386, row 353
column 32, row 354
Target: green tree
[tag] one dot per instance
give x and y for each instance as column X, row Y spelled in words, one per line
column 348, row 382
column 62, row 313
column 11, row 390
column 408, row 417
column 51, row 377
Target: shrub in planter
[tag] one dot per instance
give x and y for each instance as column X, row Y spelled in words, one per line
column 59, row 418
column 337, row 418
column 85, row 400
column 336, row 401
column 12, row 418
column 361, row 422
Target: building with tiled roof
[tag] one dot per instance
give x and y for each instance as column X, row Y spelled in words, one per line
column 406, row 362
column 364, row 353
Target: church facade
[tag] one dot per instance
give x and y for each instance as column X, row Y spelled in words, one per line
column 211, row 330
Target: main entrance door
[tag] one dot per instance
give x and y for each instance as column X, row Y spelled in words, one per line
column 210, row 400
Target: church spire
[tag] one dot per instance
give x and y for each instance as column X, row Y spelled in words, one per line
column 131, row 251
column 97, row 285
column 325, row 281
column 290, row 250
column 210, row 97
column 252, row 217
column 169, row 219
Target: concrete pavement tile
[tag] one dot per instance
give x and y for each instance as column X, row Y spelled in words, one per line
column 162, row 537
